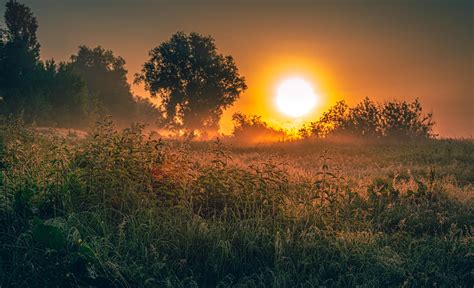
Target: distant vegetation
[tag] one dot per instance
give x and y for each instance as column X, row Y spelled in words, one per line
column 76, row 93
column 393, row 119
column 194, row 84
column 253, row 130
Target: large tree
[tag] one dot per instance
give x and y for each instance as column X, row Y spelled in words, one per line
column 32, row 88
column 21, row 27
column 67, row 96
column 19, row 62
column 193, row 81
column 106, row 79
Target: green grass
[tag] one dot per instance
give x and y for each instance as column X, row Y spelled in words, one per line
column 121, row 209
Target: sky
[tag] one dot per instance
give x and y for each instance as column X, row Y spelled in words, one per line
column 349, row 50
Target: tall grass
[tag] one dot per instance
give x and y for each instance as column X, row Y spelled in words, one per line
column 122, row 209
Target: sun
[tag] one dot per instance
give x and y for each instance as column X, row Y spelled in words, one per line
column 295, row 97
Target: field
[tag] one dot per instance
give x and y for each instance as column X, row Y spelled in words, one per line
column 123, row 209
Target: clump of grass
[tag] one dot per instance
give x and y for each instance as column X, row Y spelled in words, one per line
column 122, row 209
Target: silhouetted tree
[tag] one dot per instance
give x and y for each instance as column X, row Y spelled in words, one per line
column 363, row 119
column 194, row 82
column 30, row 87
column 106, row 79
column 21, row 28
column 398, row 120
column 405, row 120
column 68, row 96
column 332, row 120
column 19, row 63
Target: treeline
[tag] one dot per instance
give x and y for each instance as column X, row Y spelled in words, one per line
column 392, row 119
column 91, row 84
column 399, row 120
column 193, row 82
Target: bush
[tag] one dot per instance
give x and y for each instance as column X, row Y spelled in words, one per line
column 252, row 129
column 394, row 119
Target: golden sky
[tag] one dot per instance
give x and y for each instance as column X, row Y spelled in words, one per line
column 346, row 49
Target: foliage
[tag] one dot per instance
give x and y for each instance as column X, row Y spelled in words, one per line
column 331, row 120
column 106, row 79
column 252, row 129
column 72, row 94
column 402, row 119
column 21, row 27
column 393, row 119
column 121, row 209
column 194, row 82
column 364, row 119
column 67, row 96
column 19, row 63
column 33, row 88
column 147, row 112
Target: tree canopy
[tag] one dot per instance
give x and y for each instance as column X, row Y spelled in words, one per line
column 19, row 61
column 193, row 81
column 91, row 84
column 392, row 119
column 106, row 79
column 21, row 27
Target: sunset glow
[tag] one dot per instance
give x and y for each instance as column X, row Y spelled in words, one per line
column 295, row 97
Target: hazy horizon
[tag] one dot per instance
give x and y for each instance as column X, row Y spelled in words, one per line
column 393, row 50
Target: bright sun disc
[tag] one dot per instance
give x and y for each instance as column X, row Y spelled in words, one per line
column 295, row 97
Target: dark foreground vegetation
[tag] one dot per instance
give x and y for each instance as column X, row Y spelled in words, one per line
column 122, row 209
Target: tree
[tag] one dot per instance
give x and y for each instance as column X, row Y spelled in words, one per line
column 106, row 79
column 22, row 26
column 395, row 119
column 194, row 82
column 331, row 121
column 146, row 112
column 68, row 96
column 363, row 119
column 32, row 88
column 19, row 63
column 403, row 120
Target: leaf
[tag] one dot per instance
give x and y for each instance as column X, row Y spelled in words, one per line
column 25, row 195
column 86, row 251
column 49, row 236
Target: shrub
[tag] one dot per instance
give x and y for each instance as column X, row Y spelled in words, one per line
column 394, row 119
column 252, row 129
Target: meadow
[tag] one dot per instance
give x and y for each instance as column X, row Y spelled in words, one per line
column 121, row 208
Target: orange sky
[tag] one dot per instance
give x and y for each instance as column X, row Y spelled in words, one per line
column 347, row 49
